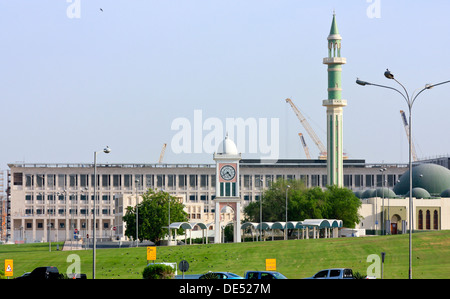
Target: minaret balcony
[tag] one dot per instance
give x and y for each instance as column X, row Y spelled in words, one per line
column 334, row 103
column 334, row 60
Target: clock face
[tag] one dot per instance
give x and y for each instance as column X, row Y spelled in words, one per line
column 227, row 172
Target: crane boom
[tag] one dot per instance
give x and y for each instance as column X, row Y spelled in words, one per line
column 163, row 150
column 405, row 124
column 305, row 147
column 309, row 130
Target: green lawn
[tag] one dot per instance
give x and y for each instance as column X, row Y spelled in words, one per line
column 295, row 258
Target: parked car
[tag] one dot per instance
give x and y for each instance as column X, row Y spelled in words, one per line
column 24, row 275
column 335, row 273
column 221, row 275
column 50, row 273
column 264, row 275
column 42, row 273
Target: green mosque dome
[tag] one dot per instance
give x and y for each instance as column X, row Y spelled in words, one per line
column 445, row 193
column 384, row 192
column 418, row 192
column 431, row 177
column 358, row 193
column 369, row 193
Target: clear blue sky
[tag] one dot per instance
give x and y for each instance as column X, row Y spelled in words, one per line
column 121, row 76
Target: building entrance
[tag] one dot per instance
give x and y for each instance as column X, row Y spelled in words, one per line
column 393, row 228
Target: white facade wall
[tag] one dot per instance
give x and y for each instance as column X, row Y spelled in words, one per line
column 69, row 198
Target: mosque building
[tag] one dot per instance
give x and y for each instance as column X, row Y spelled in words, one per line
column 385, row 210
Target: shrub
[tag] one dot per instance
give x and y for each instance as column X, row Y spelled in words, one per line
column 158, row 271
column 357, row 275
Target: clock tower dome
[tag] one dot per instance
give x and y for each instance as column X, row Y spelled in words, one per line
column 227, row 187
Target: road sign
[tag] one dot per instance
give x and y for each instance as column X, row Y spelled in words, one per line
column 9, row 268
column 151, row 253
column 184, row 266
column 271, row 264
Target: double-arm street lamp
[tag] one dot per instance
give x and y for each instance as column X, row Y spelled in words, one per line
column 106, row 150
column 409, row 101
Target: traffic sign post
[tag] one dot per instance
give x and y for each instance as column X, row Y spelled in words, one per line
column 184, row 266
column 151, row 253
column 271, row 264
column 9, row 269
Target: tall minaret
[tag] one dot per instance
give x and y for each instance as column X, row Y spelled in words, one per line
column 334, row 106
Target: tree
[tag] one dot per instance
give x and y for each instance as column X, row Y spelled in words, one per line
column 305, row 203
column 153, row 215
column 274, row 202
column 343, row 205
column 309, row 204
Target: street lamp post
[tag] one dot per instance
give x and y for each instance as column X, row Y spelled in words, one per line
column 137, row 210
column 285, row 225
column 383, row 223
column 409, row 101
column 106, row 150
column 261, row 182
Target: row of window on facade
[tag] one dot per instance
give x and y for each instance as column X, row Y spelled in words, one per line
column 182, row 181
column 61, row 225
column 61, row 197
column 62, row 212
column 115, row 180
column 428, row 220
column 106, row 198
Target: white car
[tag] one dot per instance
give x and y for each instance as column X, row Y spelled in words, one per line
column 335, row 273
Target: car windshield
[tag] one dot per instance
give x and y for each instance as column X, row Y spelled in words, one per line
column 232, row 274
column 279, row 275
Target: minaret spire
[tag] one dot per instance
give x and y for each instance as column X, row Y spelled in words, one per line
column 334, row 29
column 334, row 105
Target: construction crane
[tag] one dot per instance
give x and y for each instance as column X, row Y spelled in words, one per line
column 405, row 124
column 309, row 130
column 163, row 150
column 305, row 147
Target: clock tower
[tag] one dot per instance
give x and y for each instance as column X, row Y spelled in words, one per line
column 227, row 187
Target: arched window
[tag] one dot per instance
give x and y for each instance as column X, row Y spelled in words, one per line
column 428, row 219
column 420, row 219
column 435, row 220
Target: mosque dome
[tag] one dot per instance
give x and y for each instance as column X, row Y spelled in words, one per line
column 227, row 147
column 418, row 192
column 379, row 192
column 369, row 193
column 358, row 193
column 384, row 192
column 445, row 193
column 431, row 177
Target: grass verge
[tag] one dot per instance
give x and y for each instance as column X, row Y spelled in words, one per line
column 294, row 258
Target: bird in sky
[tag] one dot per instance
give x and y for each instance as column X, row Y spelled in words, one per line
column 101, row 9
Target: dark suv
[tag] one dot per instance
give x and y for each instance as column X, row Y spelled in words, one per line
column 43, row 273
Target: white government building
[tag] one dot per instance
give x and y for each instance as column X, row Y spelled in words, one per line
column 62, row 194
